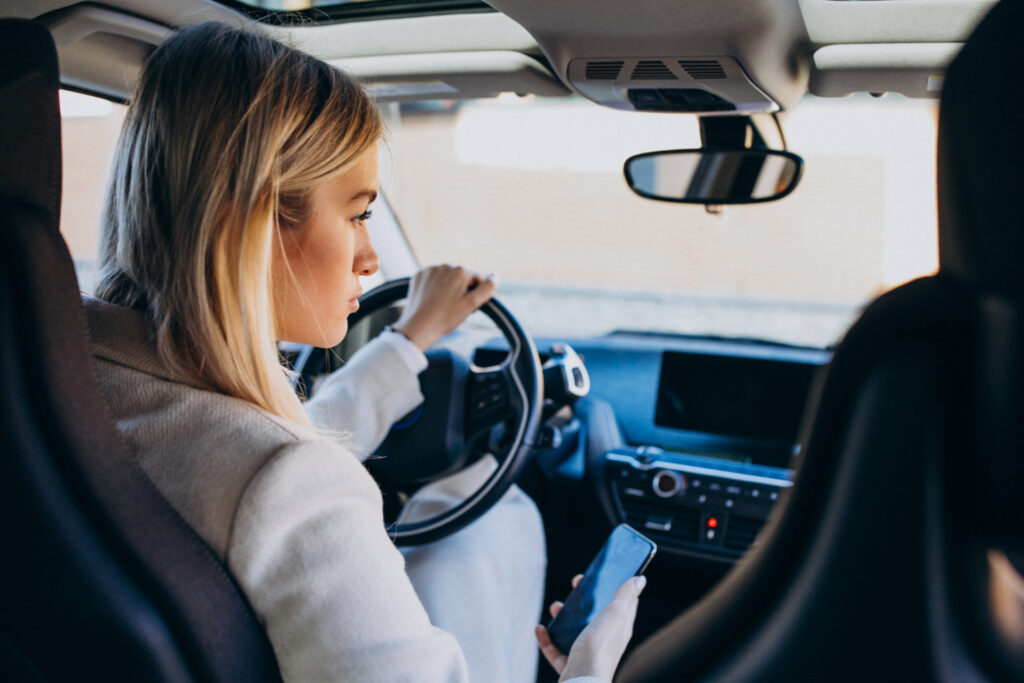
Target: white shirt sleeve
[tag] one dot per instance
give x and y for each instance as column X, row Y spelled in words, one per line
column 376, row 388
column 409, row 352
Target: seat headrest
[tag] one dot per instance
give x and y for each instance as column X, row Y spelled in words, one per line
column 981, row 156
column 30, row 163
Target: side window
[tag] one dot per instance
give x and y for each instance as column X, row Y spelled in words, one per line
column 89, row 128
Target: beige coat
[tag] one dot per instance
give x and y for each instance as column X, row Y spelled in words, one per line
column 298, row 520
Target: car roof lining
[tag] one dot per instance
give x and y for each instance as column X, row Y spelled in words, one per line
column 498, row 55
column 787, row 47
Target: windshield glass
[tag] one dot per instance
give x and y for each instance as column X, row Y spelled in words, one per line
column 533, row 189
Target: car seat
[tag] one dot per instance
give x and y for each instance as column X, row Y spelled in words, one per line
column 99, row 578
column 896, row 555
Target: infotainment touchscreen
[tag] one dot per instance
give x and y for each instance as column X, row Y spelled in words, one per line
column 751, row 398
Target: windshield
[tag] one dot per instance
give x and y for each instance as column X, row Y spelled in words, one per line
column 533, row 189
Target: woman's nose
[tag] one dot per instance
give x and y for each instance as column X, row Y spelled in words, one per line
column 367, row 262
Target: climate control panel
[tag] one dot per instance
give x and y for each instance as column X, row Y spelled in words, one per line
column 693, row 504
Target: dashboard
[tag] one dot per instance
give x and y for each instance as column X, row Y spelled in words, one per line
column 687, row 439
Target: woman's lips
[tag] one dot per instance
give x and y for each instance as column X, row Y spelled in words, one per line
column 353, row 304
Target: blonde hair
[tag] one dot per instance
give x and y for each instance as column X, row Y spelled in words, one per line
column 226, row 136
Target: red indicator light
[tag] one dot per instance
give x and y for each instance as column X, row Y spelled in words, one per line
column 712, row 522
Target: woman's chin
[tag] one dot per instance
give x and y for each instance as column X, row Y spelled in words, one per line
column 335, row 337
column 320, row 338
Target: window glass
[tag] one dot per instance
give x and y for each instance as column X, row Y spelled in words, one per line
column 533, row 189
column 89, row 129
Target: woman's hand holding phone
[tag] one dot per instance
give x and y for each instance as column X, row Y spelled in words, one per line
column 588, row 634
column 599, row 647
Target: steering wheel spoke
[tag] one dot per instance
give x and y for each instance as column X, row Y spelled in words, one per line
column 487, row 400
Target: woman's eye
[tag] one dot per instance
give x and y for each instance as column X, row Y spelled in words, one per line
column 364, row 216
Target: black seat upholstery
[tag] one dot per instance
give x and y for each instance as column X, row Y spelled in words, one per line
column 878, row 564
column 99, row 578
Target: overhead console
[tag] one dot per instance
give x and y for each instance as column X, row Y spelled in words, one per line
column 705, row 57
column 698, row 85
column 709, row 492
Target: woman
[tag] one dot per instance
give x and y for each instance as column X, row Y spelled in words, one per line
column 236, row 218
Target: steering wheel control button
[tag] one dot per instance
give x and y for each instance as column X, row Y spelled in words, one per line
column 486, row 400
column 667, row 483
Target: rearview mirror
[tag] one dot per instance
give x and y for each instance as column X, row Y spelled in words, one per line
column 710, row 176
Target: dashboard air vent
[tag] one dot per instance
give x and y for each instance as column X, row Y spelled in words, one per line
column 652, row 70
column 603, row 71
column 686, row 525
column 741, row 532
column 701, row 69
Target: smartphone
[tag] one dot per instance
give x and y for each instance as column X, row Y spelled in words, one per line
column 625, row 554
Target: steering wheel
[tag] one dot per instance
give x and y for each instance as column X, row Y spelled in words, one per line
column 466, row 409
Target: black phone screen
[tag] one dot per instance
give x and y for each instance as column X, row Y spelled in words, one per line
column 625, row 554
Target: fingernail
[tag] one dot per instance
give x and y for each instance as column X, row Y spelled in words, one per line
column 640, row 582
column 493, row 277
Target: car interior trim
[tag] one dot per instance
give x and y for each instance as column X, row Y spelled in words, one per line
column 693, row 469
column 74, row 23
column 460, row 74
column 914, row 70
column 341, row 11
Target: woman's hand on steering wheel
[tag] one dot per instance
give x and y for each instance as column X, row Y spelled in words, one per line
column 440, row 298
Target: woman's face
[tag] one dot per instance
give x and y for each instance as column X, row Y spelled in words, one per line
column 317, row 264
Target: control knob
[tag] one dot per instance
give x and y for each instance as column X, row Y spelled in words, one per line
column 667, row 483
